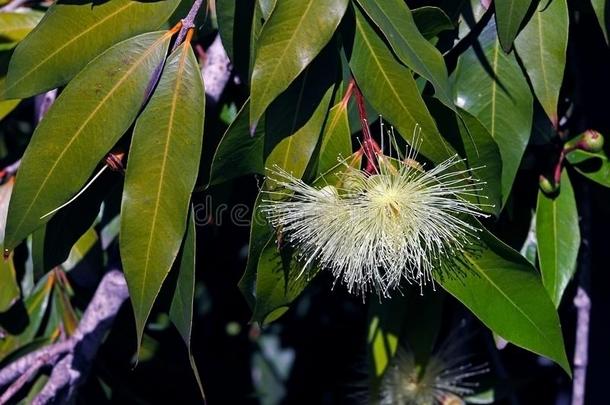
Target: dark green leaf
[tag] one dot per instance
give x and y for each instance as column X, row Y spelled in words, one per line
column 235, row 19
column 594, row 166
column 181, row 309
column 394, row 19
column 542, row 47
column 87, row 119
column 294, row 34
column 473, row 141
column 491, row 86
column 238, row 152
column 161, row 173
column 391, row 90
column 431, row 21
column 73, row 33
column 558, row 238
column 505, row 292
column 509, row 16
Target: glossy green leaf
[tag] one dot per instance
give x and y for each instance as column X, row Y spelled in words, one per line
column 431, row 21
column 336, row 139
column 238, row 152
column 394, row 19
column 9, row 288
column 472, row 140
column 594, row 166
column 491, row 86
column 181, row 308
column 235, row 19
column 505, row 292
column 83, row 124
column 542, row 46
column 599, row 6
column 509, row 17
column 294, row 34
column 391, row 90
column 73, row 33
column 558, row 238
column 469, row 14
column 161, row 173
column 14, row 26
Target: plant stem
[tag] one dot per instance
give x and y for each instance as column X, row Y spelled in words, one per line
column 187, row 23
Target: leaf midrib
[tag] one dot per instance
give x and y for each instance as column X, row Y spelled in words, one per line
column 78, row 132
column 265, row 89
column 497, row 287
column 179, row 76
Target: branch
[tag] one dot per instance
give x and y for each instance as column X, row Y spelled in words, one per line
column 187, row 23
column 73, row 357
column 216, row 70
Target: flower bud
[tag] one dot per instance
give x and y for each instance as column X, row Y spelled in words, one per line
column 590, row 141
column 547, row 186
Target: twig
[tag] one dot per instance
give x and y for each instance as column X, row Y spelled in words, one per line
column 13, row 5
column 73, row 357
column 187, row 23
column 582, row 302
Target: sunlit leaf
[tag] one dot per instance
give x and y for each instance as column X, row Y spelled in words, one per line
column 505, row 292
column 558, row 238
column 73, row 33
column 391, row 90
column 83, row 124
column 14, row 26
column 490, row 85
column 394, row 19
column 542, row 46
column 294, row 34
column 161, row 173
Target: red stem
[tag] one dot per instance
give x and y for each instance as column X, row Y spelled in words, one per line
column 369, row 146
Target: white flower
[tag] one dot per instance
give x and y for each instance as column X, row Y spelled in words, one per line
column 374, row 230
column 442, row 380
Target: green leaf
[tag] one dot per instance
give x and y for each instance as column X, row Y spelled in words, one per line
column 235, row 19
column 294, row 34
column 391, row 90
column 83, row 124
column 558, row 238
column 9, row 290
column 491, row 86
column 473, row 141
column 594, row 166
column 161, row 173
column 336, row 138
column 181, row 308
column 542, row 47
column 599, row 6
column 9, row 105
column 509, row 16
column 505, row 292
column 36, row 307
column 73, row 33
column 238, row 152
column 469, row 14
column 431, row 21
column 14, row 26
column 395, row 21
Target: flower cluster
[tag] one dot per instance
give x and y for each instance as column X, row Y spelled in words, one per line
column 375, row 229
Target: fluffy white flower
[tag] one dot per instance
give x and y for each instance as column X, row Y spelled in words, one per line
column 374, row 230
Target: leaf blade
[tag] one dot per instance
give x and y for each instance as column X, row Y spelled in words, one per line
column 75, row 134
column 509, row 16
column 156, row 197
column 311, row 26
column 57, row 43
